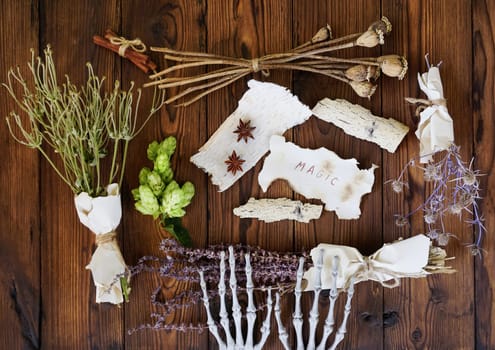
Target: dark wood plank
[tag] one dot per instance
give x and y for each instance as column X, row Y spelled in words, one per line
column 247, row 29
column 179, row 25
column 365, row 234
column 484, row 127
column 71, row 318
column 437, row 313
column 19, row 175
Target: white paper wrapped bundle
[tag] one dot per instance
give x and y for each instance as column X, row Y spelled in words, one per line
column 435, row 129
column 102, row 216
column 409, row 258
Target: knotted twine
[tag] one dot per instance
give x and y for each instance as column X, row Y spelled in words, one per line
column 135, row 44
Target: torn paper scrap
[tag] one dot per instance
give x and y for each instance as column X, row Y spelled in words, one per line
column 435, row 129
column 359, row 122
column 320, row 174
column 271, row 210
column 240, row 142
column 102, row 216
column 408, row 258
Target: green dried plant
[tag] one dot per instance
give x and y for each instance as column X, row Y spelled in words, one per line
column 84, row 126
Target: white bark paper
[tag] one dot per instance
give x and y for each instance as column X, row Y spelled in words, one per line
column 271, row 210
column 271, row 109
column 318, row 173
column 359, row 122
column 102, row 215
column 404, row 258
column 435, row 129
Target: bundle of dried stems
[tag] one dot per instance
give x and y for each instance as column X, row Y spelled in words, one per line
column 311, row 56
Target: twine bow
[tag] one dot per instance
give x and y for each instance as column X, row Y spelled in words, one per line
column 424, row 103
column 368, row 271
column 136, row 44
column 408, row 258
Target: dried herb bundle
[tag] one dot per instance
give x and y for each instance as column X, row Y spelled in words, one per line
column 310, row 57
column 84, row 126
column 89, row 130
column 276, row 271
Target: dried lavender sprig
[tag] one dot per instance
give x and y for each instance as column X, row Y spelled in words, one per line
column 270, row 270
column 455, row 189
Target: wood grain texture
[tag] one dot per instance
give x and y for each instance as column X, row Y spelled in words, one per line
column 345, row 17
column 46, row 295
column 20, row 202
column 483, row 92
column 180, row 25
column 71, row 319
column 431, row 313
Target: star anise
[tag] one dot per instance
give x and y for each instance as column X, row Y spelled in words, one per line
column 234, row 163
column 243, row 130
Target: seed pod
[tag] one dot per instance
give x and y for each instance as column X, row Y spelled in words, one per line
column 362, row 72
column 324, row 33
column 394, row 66
column 363, row 88
column 382, row 26
column 370, row 38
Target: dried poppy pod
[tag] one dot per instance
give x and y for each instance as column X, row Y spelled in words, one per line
column 382, row 26
column 324, row 33
column 394, row 66
column 363, row 88
column 361, row 72
column 375, row 33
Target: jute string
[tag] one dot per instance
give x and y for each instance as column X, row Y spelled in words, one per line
column 136, row 44
column 424, row 103
column 368, row 271
column 106, row 238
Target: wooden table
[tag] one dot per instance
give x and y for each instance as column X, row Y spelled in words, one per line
column 46, row 295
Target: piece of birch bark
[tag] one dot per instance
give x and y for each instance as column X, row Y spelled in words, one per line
column 359, row 122
column 271, row 210
column 271, row 109
column 318, row 173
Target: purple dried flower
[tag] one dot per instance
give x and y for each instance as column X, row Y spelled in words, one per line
column 401, row 221
column 443, row 239
column 269, row 270
column 455, row 189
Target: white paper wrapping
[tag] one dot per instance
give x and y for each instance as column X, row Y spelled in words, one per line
column 102, row 216
column 318, row 173
column 435, row 129
column 271, row 109
column 405, row 258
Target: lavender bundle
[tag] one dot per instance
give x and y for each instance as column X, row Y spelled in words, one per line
column 312, row 57
column 270, row 270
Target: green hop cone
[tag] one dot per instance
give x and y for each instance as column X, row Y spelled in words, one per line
column 162, row 167
column 168, row 146
column 143, row 176
column 148, row 203
column 155, row 183
column 152, row 150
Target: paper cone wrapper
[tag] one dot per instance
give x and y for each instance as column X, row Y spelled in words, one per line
column 102, row 216
column 405, row 258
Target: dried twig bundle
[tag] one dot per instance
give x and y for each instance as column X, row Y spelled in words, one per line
column 312, row 56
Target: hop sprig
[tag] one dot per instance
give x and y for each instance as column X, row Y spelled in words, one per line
column 159, row 195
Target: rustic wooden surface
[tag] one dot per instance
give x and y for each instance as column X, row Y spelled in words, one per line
column 46, row 295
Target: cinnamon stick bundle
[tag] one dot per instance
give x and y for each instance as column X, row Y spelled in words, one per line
column 139, row 59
